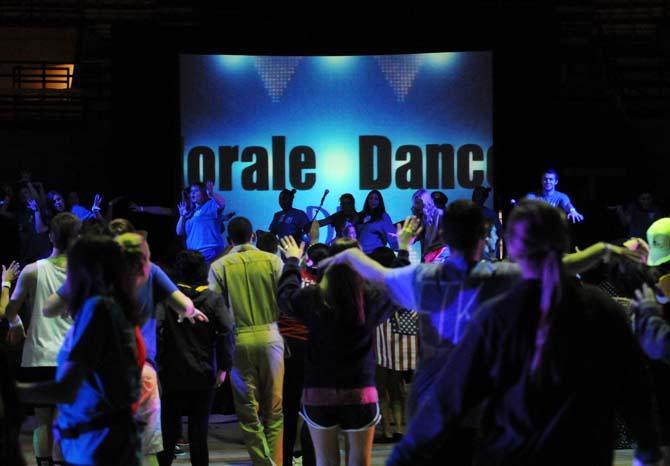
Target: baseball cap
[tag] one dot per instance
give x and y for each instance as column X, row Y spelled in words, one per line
column 658, row 237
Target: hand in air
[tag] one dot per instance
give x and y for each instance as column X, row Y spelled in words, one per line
column 290, row 248
column 183, row 209
column 10, row 273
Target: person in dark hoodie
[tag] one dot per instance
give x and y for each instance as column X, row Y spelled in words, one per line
column 194, row 359
column 553, row 362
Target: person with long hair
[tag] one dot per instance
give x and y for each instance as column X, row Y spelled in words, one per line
column 375, row 228
column 424, row 208
column 98, row 378
column 341, row 314
column 200, row 220
column 552, row 359
column 56, row 204
column 151, row 286
column 345, row 216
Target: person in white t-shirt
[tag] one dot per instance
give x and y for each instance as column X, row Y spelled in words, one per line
column 44, row 336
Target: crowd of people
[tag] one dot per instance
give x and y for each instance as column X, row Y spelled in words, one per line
column 484, row 353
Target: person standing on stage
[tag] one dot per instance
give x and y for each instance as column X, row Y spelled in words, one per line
column 200, row 220
column 424, row 208
column 555, row 198
column 375, row 228
column 289, row 221
column 347, row 215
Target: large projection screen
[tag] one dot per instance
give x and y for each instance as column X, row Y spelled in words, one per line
column 397, row 123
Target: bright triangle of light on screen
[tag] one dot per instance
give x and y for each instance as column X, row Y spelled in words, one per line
column 399, row 71
column 276, row 73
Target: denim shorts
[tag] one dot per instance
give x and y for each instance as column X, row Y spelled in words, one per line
column 348, row 418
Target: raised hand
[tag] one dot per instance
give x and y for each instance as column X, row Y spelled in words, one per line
column 645, row 297
column 290, row 248
column 408, row 231
column 97, row 200
column 183, row 209
column 10, row 273
column 32, row 205
column 209, row 187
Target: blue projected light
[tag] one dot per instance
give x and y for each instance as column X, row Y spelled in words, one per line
column 439, row 59
column 234, row 62
column 338, row 62
column 349, row 124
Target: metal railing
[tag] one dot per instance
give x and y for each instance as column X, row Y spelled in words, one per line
column 32, row 90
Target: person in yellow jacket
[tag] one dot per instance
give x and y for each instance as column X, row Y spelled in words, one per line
column 247, row 279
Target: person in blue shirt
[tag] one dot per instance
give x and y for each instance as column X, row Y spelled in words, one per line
column 200, row 219
column 555, row 198
column 289, row 221
column 42, row 214
column 375, row 228
column 57, row 205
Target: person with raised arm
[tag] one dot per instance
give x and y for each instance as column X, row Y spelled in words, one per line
column 200, row 219
column 555, row 198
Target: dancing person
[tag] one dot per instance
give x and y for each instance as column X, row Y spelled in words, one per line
column 396, row 350
column 341, row 314
column 374, row 228
column 289, row 221
column 247, row 279
column 98, row 379
column 346, row 215
column 431, row 219
column 555, row 198
column 545, row 356
column 296, row 337
column 57, row 204
column 45, row 336
column 151, row 287
column 193, row 360
column 200, row 220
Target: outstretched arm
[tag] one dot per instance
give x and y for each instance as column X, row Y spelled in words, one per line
column 220, row 201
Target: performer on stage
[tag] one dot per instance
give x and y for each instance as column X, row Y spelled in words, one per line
column 347, row 215
column 289, row 221
column 424, row 208
column 375, row 228
column 556, row 198
column 200, row 220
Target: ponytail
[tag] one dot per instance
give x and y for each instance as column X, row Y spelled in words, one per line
column 541, row 241
column 550, row 294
